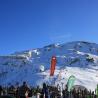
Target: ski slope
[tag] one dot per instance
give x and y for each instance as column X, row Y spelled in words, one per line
column 77, row 58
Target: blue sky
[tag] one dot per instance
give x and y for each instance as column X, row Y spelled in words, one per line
column 26, row 24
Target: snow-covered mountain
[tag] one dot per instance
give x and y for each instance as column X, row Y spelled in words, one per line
column 77, row 58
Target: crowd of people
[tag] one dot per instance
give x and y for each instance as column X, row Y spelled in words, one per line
column 47, row 91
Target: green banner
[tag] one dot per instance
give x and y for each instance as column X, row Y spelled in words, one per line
column 97, row 91
column 70, row 82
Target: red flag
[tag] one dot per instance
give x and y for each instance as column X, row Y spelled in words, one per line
column 53, row 64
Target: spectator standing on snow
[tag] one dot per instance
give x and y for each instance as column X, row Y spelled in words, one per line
column 1, row 90
column 24, row 90
column 45, row 90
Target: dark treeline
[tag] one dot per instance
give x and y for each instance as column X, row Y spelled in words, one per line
column 24, row 91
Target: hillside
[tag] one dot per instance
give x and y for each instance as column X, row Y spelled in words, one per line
column 75, row 58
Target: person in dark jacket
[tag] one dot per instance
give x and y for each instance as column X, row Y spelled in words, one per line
column 1, row 90
column 65, row 92
column 23, row 90
column 45, row 90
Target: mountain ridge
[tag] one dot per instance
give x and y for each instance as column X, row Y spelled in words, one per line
column 21, row 66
